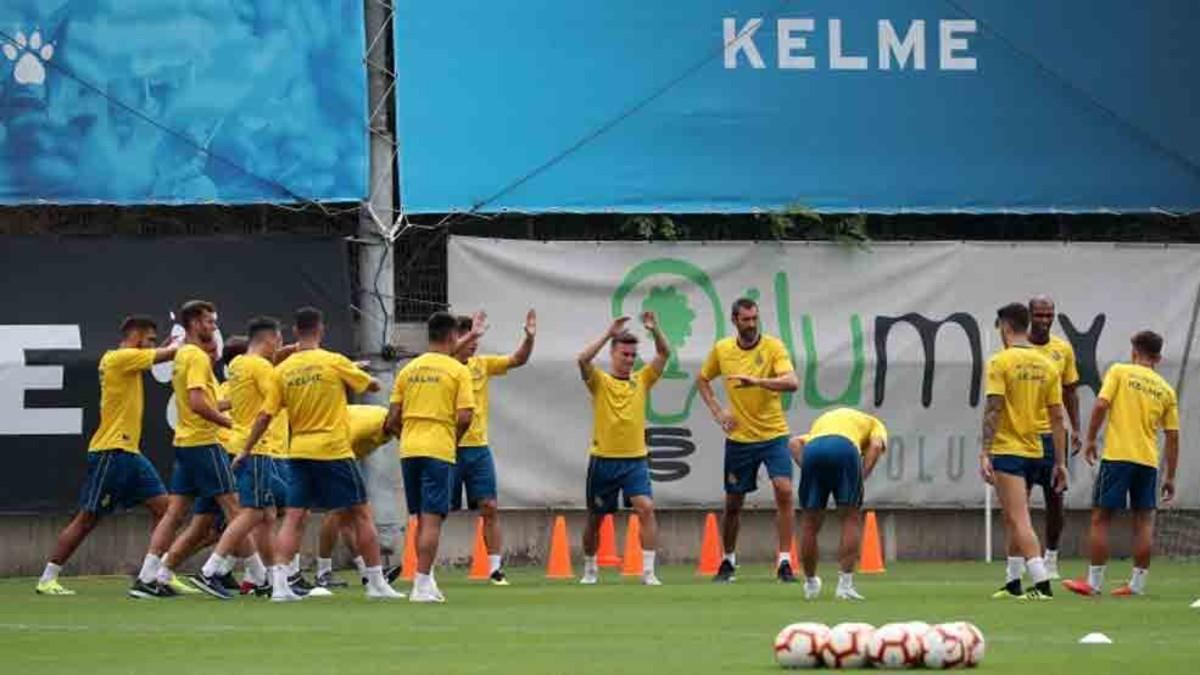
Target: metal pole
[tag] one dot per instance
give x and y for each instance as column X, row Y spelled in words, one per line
column 987, row 523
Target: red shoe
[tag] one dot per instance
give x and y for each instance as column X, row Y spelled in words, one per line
column 1125, row 592
column 246, row 588
column 1081, row 587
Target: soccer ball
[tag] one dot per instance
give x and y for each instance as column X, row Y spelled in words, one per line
column 895, row 646
column 800, row 644
column 973, row 642
column 847, row 645
column 944, row 647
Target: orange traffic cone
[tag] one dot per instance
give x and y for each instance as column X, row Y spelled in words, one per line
column 632, row 566
column 479, row 555
column 410, row 550
column 871, row 559
column 558, row 563
column 607, row 555
column 710, row 548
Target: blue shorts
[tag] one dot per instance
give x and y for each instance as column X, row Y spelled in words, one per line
column 325, row 484
column 208, row 506
column 118, row 479
column 610, row 477
column 427, row 483
column 1125, row 485
column 202, row 471
column 832, row 466
column 1027, row 468
column 743, row 459
column 475, row 474
column 1042, row 473
column 259, row 484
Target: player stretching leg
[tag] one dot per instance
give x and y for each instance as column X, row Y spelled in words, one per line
column 201, row 466
column 757, row 369
column 475, row 469
column 1041, row 319
column 1022, row 385
column 119, row 476
column 431, row 408
column 835, row 457
column 1137, row 402
column 619, row 460
column 321, row 463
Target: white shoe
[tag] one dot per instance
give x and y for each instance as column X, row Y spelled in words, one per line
column 649, row 579
column 426, row 596
column 590, row 579
column 384, row 592
column 1052, row 570
column 812, row 589
column 285, row 597
column 848, row 593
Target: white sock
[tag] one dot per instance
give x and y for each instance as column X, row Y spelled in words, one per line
column 1037, row 569
column 783, row 558
column 256, row 571
column 421, row 582
column 294, row 566
column 1015, row 569
column 279, row 580
column 50, row 573
column 214, row 566
column 361, row 565
column 493, row 563
column 811, row 582
column 589, row 565
column 1051, row 556
column 845, row 579
column 1137, row 581
column 732, row 558
column 375, row 577
column 1096, row 576
column 324, row 566
column 164, row 573
column 648, row 562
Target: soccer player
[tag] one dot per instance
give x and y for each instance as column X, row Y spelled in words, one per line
column 1041, row 319
column 475, row 470
column 1022, row 385
column 323, row 473
column 619, row 463
column 118, row 474
column 201, row 466
column 1137, row 402
column 255, row 395
column 432, row 405
column 835, row 457
column 757, row 369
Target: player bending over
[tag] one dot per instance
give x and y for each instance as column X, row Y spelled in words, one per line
column 1022, row 385
column 836, row 455
column 619, row 461
column 119, row 475
column 1137, row 402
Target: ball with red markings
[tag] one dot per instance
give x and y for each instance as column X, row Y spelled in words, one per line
column 799, row 645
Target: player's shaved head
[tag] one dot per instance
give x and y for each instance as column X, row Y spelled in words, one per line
column 1149, row 344
column 262, row 327
column 1041, row 300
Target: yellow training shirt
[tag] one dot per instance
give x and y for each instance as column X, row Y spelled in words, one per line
column 431, row 390
column 121, row 399
column 1140, row 403
column 619, row 412
column 225, row 436
column 1062, row 355
column 482, row 369
column 193, row 370
column 849, row 423
column 1029, row 383
column 366, row 429
column 314, row 393
column 254, row 387
column 759, row 412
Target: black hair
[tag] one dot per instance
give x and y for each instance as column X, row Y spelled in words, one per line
column 194, row 309
column 259, row 325
column 464, row 324
column 442, row 326
column 740, row 304
column 307, row 320
column 1014, row 315
column 1148, row 343
column 137, row 322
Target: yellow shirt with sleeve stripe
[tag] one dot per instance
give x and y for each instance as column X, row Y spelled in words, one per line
column 1062, row 355
column 193, row 370
column 366, row 429
column 1140, row 403
column 482, row 368
column 431, row 390
column 314, row 392
column 758, row 411
column 619, row 412
column 855, row 425
column 1029, row 383
column 122, row 399
column 254, row 387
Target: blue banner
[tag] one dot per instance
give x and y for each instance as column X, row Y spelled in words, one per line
column 187, row 101
column 737, row 105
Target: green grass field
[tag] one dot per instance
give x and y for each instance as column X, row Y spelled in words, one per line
column 536, row 626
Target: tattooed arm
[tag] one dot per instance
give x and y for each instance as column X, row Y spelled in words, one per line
column 991, row 419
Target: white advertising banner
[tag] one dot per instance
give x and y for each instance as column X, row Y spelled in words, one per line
column 902, row 331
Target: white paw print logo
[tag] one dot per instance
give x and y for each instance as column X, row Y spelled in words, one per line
column 29, row 55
